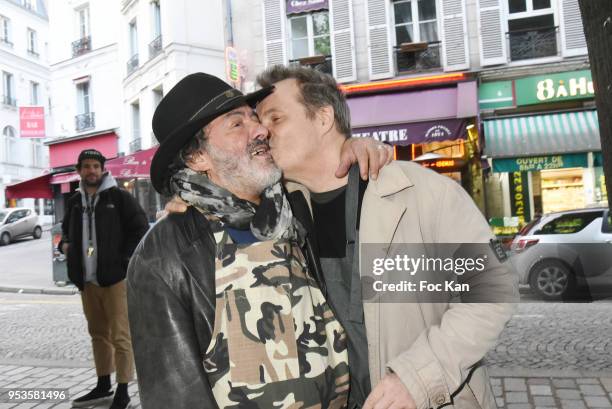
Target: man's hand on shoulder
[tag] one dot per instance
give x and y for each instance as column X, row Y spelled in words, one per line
column 176, row 205
column 370, row 154
column 390, row 393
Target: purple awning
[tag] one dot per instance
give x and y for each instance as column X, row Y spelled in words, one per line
column 413, row 106
column 303, row 6
column 416, row 132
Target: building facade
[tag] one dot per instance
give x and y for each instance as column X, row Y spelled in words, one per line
column 24, row 28
column 439, row 79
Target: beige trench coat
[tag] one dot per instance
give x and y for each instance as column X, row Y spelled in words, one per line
column 435, row 348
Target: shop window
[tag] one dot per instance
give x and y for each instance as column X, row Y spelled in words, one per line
column 569, row 223
column 532, row 32
column 417, row 46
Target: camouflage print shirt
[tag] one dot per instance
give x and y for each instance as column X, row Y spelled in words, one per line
column 275, row 342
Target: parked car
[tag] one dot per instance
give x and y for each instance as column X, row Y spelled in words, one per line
column 17, row 222
column 560, row 253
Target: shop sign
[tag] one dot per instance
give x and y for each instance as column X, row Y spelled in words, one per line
column 494, row 95
column 417, row 132
column 534, row 163
column 232, row 65
column 304, row 6
column 519, row 196
column 32, row 122
column 443, row 165
column 564, row 86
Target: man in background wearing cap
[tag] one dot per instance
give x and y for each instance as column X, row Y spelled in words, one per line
column 224, row 311
column 101, row 228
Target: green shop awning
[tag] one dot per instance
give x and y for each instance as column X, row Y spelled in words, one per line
column 537, row 135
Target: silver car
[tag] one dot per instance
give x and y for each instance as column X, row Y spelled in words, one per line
column 17, row 222
column 560, row 253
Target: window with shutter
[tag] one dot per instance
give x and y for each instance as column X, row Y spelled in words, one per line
column 455, row 50
column 274, row 32
column 491, row 28
column 380, row 53
column 342, row 41
column 572, row 31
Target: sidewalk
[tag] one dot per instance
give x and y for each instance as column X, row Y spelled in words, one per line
column 514, row 389
column 52, row 290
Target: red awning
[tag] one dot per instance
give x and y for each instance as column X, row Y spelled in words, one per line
column 65, row 178
column 136, row 165
column 35, row 188
column 64, row 152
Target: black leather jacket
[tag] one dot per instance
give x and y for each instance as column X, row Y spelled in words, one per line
column 171, row 304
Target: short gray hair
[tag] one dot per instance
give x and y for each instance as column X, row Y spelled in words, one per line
column 317, row 91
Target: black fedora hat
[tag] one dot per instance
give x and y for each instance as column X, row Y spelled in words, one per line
column 192, row 103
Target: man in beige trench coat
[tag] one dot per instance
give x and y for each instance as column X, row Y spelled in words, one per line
column 420, row 355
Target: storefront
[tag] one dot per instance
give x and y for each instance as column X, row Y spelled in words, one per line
column 545, row 151
column 429, row 120
column 130, row 171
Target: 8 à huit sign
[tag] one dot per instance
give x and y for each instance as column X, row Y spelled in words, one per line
column 564, row 86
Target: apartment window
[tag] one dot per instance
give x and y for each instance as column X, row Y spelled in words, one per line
column 83, row 21
column 155, row 46
column 8, row 87
column 415, row 28
column 34, row 88
column 84, row 118
column 5, row 30
column 10, row 144
column 132, row 63
column 83, row 97
column 135, row 144
column 28, row 4
column 37, row 153
column 309, row 35
column 32, row 42
column 531, row 29
column 156, row 12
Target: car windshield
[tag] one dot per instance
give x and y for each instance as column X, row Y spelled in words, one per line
column 3, row 216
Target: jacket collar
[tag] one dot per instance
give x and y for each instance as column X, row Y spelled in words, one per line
column 391, row 179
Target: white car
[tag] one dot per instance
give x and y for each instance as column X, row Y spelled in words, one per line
column 17, row 222
column 559, row 253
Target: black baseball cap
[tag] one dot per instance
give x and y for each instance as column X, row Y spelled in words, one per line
column 90, row 154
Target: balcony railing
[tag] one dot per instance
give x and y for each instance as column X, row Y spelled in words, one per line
column 81, row 46
column 6, row 41
column 321, row 63
column 84, row 122
column 135, row 145
column 155, row 47
column 533, row 43
column 9, row 100
column 132, row 64
column 417, row 57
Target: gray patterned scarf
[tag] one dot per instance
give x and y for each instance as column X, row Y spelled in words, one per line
column 271, row 220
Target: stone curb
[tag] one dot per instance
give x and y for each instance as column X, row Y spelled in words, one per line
column 38, row 290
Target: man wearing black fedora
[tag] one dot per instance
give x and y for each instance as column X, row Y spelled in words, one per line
column 226, row 305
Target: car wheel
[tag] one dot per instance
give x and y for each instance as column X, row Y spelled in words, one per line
column 552, row 280
column 5, row 239
column 37, row 234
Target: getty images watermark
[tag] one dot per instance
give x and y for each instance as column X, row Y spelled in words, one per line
column 472, row 272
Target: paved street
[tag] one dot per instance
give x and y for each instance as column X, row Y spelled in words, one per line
column 551, row 354
column 27, row 262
